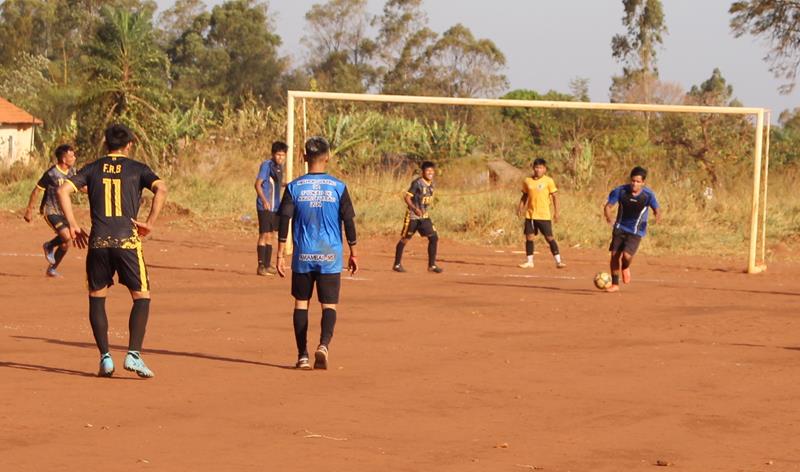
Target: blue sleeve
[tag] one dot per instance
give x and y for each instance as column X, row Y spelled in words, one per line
column 613, row 197
column 653, row 201
column 264, row 170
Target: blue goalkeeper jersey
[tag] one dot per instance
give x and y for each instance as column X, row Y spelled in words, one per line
column 317, row 204
column 272, row 175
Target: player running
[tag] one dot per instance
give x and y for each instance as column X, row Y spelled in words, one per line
column 268, row 190
column 114, row 183
column 418, row 198
column 630, row 226
column 318, row 205
column 537, row 192
column 56, row 248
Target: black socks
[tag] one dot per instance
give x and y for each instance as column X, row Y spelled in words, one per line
column 99, row 322
column 553, row 247
column 328, row 322
column 300, row 319
column 398, row 252
column 528, row 248
column 137, row 323
column 433, row 243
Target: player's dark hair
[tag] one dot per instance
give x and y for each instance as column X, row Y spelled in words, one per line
column 118, row 136
column 62, row 151
column 427, row 165
column 316, row 146
column 279, row 146
column 640, row 171
column 539, row 162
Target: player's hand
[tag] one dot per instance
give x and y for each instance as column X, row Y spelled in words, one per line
column 142, row 228
column 266, row 205
column 352, row 264
column 28, row 215
column 79, row 237
column 555, row 217
column 281, row 265
column 417, row 211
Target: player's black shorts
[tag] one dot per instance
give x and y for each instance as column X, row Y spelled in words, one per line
column 268, row 221
column 423, row 226
column 328, row 286
column 623, row 241
column 128, row 264
column 57, row 222
column 539, row 226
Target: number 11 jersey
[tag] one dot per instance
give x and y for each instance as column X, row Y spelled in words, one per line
column 114, row 184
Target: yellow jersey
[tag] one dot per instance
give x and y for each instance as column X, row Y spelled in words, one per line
column 538, row 192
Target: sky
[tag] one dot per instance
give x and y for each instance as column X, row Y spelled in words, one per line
column 548, row 43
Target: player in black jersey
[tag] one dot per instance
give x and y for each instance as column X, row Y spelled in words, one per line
column 418, row 198
column 56, row 248
column 114, row 184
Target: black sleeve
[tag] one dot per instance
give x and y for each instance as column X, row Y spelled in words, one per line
column 81, row 179
column 148, row 178
column 347, row 213
column 286, row 211
column 44, row 181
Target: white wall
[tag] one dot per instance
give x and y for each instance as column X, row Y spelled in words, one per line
column 15, row 143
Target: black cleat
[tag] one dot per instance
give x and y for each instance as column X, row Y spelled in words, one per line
column 435, row 269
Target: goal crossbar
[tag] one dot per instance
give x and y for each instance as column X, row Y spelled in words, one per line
column 758, row 113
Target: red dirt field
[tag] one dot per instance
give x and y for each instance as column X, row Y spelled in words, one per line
column 485, row 367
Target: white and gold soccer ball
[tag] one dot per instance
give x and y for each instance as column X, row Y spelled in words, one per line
column 602, row 280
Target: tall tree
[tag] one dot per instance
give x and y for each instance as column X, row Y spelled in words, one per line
column 339, row 50
column 777, row 21
column 178, row 18
column 403, row 38
column 636, row 49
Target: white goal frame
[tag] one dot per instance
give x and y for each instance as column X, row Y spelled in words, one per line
column 760, row 157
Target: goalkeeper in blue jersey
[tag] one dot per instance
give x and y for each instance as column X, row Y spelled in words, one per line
column 318, row 205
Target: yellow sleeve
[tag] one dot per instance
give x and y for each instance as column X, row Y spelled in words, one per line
column 552, row 186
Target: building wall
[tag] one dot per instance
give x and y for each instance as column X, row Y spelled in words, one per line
column 16, row 143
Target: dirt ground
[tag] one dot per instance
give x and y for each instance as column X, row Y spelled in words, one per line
column 485, row 367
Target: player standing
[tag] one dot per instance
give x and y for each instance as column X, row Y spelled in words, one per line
column 114, row 184
column 56, row 248
column 268, row 186
column 537, row 192
column 418, row 198
column 630, row 226
column 318, row 205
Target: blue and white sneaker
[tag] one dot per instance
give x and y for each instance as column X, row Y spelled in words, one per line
column 106, row 365
column 134, row 363
column 49, row 254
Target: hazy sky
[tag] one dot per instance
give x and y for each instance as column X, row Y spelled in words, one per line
column 547, row 42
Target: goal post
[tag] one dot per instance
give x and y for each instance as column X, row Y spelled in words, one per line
column 759, row 162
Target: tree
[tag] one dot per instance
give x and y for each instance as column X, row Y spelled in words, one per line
column 777, row 21
column 179, row 18
column 636, row 49
column 126, row 80
column 339, row 51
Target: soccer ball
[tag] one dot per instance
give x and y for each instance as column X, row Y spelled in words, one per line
column 602, row 280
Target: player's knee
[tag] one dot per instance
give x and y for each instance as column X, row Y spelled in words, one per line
column 433, row 238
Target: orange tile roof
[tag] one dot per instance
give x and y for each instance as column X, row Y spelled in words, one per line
column 13, row 115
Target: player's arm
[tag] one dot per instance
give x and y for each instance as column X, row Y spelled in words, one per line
column 159, row 189
column 656, row 208
column 523, row 200
column 261, row 195
column 31, row 202
column 554, row 198
column 66, row 189
column 286, row 211
column 608, row 211
column 348, row 215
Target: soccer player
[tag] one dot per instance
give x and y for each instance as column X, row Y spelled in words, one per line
column 268, row 186
column 537, row 193
column 418, row 198
column 56, row 248
column 114, row 183
column 633, row 200
column 318, row 205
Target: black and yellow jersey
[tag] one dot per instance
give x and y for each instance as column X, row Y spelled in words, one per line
column 114, row 184
column 49, row 182
column 421, row 192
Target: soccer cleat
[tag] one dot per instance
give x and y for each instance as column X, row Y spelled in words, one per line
column 626, row 275
column 398, row 268
column 526, row 265
column 302, row 363
column 106, row 365
column 612, row 288
column 321, row 357
column 560, row 265
column 49, row 254
column 271, row 270
column 262, row 270
column 51, row 272
column 435, row 269
column 134, row 363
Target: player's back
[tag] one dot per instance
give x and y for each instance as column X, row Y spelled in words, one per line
column 114, row 185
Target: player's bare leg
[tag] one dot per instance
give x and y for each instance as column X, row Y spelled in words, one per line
column 627, row 259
